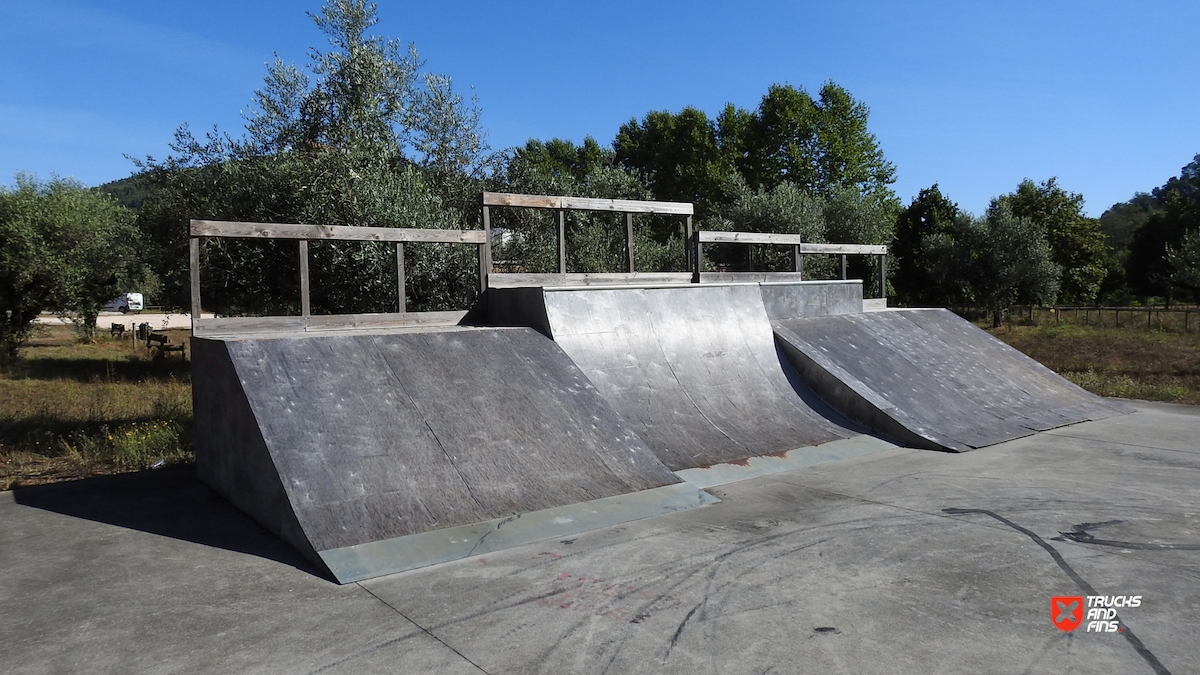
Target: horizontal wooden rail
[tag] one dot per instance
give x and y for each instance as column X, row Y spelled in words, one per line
column 396, row 236
column 564, row 204
column 586, row 204
column 233, row 325
column 800, row 248
column 717, row 237
column 222, row 228
column 523, row 280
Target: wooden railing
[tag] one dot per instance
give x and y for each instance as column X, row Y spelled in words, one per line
column 306, row 233
column 563, row 204
column 799, row 249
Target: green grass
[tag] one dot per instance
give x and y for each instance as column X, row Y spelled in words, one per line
column 70, row 410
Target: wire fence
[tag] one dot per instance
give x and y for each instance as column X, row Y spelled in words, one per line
column 1181, row 318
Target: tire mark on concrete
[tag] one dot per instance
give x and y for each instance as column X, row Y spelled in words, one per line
column 1133, row 640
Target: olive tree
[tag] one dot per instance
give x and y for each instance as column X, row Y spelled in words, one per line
column 359, row 137
column 66, row 249
column 995, row 261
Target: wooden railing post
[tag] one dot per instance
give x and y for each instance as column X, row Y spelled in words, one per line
column 687, row 236
column 304, row 305
column 629, row 239
column 485, row 251
column 194, row 264
column 562, row 241
column 400, row 290
column 697, row 257
column 883, row 276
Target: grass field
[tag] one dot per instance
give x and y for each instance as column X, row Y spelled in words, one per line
column 71, row 410
column 1133, row 361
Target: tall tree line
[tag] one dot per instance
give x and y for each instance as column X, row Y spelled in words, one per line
column 364, row 135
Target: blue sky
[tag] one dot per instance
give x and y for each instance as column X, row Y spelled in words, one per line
column 973, row 96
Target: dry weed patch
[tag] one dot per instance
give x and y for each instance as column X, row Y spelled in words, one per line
column 1128, row 362
column 71, row 410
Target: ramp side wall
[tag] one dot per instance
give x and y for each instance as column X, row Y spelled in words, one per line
column 231, row 454
column 337, row 441
column 812, row 298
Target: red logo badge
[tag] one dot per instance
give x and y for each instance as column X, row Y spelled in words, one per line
column 1066, row 611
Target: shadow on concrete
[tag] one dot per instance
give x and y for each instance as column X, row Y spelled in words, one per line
column 170, row 503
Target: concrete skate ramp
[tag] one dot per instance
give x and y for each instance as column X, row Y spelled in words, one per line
column 693, row 369
column 375, row 453
column 931, row 379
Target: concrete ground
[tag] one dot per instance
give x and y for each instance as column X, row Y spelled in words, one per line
column 903, row 561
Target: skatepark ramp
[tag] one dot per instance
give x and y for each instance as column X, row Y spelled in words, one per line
column 376, row 443
column 931, row 379
column 693, row 369
column 376, row 452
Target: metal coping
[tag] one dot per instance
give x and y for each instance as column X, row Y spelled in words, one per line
column 610, row 287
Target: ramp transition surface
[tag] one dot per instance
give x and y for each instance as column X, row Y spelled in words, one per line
column 694, row 370
column 377, row 453
column 931, row 379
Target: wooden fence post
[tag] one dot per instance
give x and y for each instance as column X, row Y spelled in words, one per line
column 562, row 241
column 400, row 290
column 629, row 239
column 304, row 304
column 194, row 263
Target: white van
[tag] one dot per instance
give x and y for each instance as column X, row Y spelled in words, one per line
column 125, row 303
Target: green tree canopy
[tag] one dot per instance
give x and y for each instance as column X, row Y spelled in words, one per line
column 1184, row 260
column 329, row 149
column 1178, row 212
column 66, row 249
column 929, row 214
column 678, row 155
column 820, row 145
column 995, row 261
column 595, row 241
column 1077, row 244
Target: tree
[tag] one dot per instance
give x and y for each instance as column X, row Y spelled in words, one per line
column 1121, row 220
column 557, row 157
column 929, row 214
column 678, row 155
column 66, row 249
column 595, row 240
column 1178, row 201
column 362, row 99
column 329, row 149
column 820, row 145
column 995, row 261
column 1077, row 244
column 784, row 209
column 1184, row 260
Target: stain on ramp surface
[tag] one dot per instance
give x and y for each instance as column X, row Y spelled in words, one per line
column 933, row 379
column 694, row 370
column 377, row 453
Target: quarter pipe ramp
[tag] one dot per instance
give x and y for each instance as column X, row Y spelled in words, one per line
column 693, row 369
column 931, row 379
